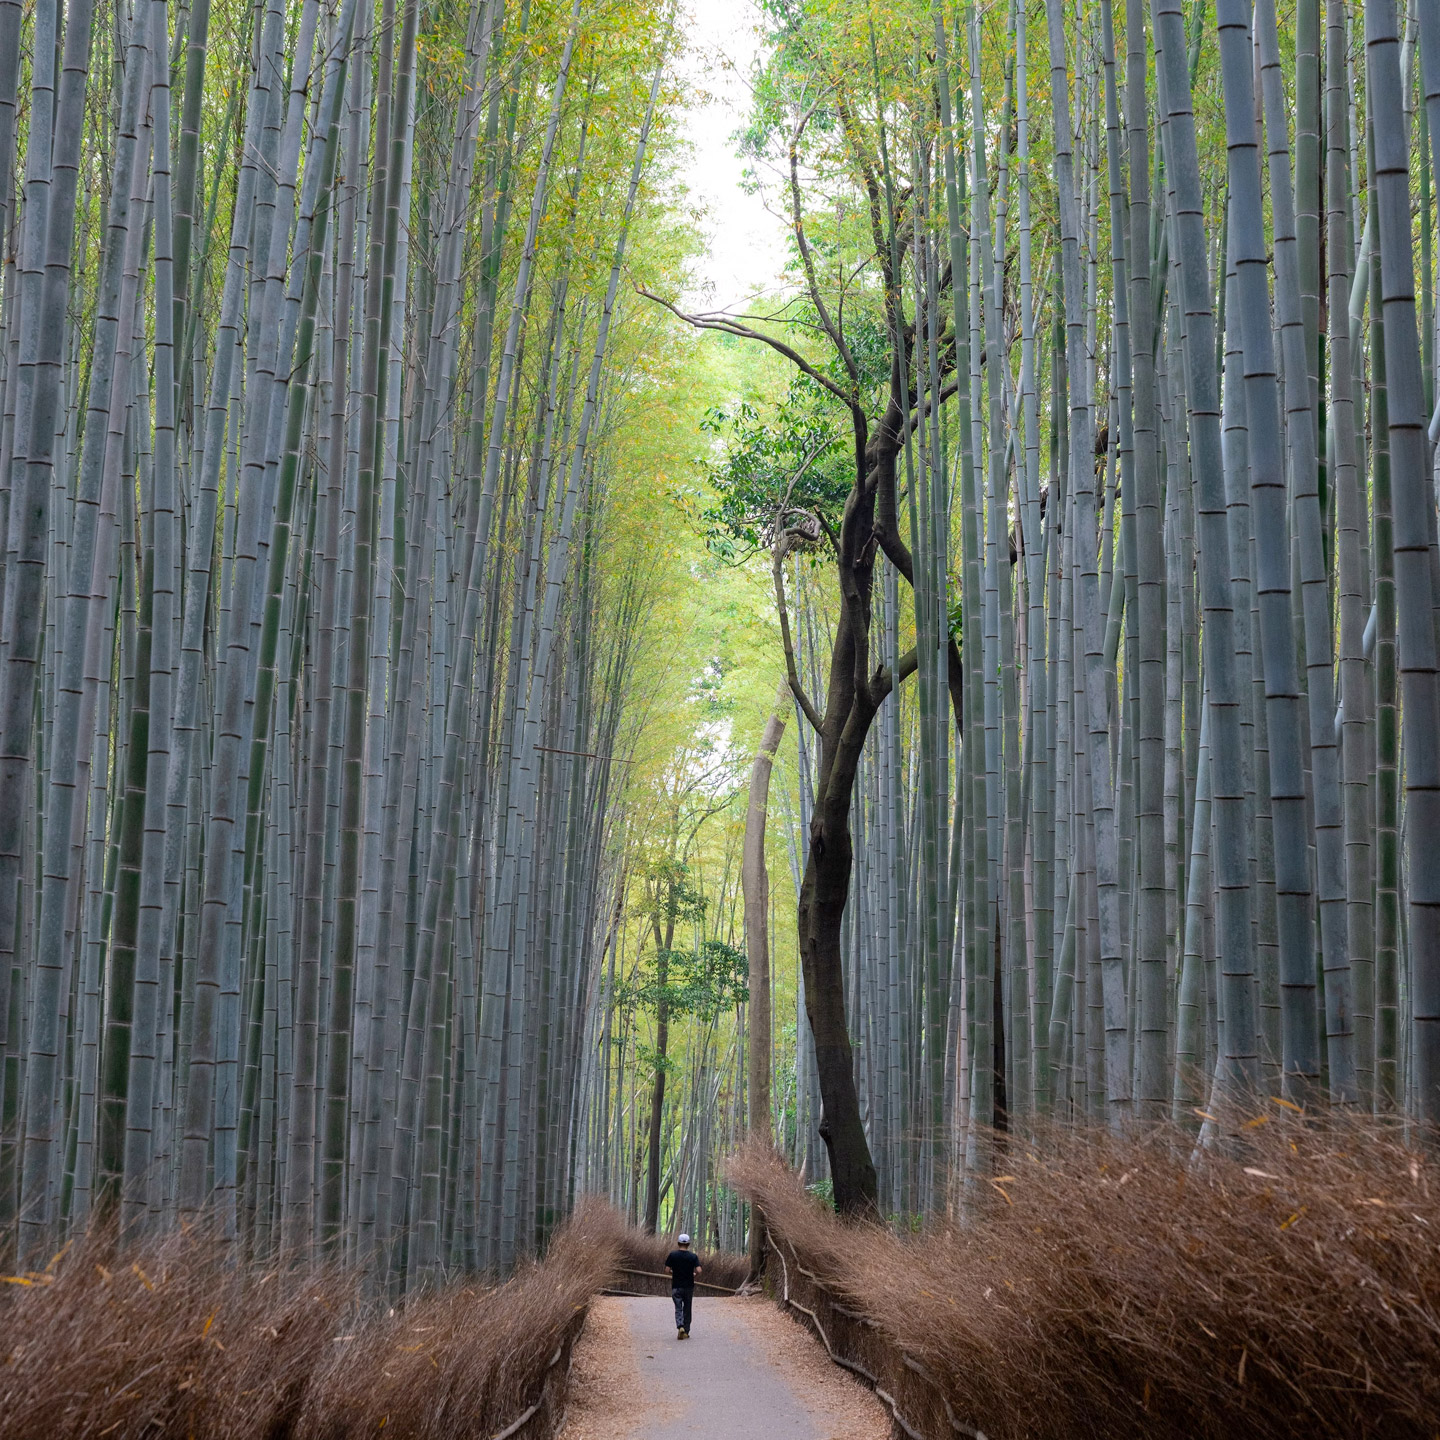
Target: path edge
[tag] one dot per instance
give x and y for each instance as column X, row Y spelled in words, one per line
column 545, row 1416
column 919, row 1409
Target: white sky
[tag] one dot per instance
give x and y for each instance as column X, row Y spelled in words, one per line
column 747, row 243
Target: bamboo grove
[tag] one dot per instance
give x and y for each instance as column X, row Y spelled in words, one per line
column 1093, row 476
column 318, row 633
column 1101, row 507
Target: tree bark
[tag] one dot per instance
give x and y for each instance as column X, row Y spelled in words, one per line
column 755, row 884
column 657, row 1095
column 666, row 902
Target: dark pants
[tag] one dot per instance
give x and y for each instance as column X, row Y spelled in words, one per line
column 684, row 1306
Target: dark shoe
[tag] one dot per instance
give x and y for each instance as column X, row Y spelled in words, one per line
column 679, row 1334
column 684, row 1334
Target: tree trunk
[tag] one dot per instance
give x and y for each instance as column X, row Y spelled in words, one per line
column 823, row 893
column 657, row 1096
column 755, row 882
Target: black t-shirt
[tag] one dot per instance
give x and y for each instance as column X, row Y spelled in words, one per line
column 682, row 1265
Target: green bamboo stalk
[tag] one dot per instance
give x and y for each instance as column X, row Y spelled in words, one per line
column 1414, row 544
column 1240, row 1062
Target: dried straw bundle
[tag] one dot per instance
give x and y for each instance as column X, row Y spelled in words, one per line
column 168, row 1340
column 1286, row 1284
column 464, row 1361
column 640, row 1251
column 162, row 1339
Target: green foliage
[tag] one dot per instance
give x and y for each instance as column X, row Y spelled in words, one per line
column 776, row 472
column 649, row 1061
column 702, row 982
column 824, row 1192
column 713, row 700
column 955, row 615
column 712, row 978
column 668, row 897
column 794, row 28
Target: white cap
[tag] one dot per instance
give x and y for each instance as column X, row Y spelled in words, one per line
column 684, row 1239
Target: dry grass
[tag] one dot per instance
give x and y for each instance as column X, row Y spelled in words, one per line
column 162, row 1339
column 1288, row 1287
column 464, row 1361
column 167, row 1341
column 640, row 1251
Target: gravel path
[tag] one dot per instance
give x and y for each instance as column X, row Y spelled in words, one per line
column 748, row 1372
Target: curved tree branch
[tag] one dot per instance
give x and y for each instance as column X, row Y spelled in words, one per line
column 885, row 679
column 795, row 479
column 728, row 326
column 807, row 259
column 777, row 565
column 830, row 534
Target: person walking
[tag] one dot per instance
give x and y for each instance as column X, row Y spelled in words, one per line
column 683, row 1265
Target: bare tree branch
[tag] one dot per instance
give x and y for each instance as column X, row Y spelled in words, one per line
column 885, row 679
column 832, row 328
column 728, row 326
column 777, row 565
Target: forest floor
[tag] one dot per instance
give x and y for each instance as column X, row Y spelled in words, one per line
column 747, row 1373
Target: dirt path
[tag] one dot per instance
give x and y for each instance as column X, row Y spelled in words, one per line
column 747, row 1373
